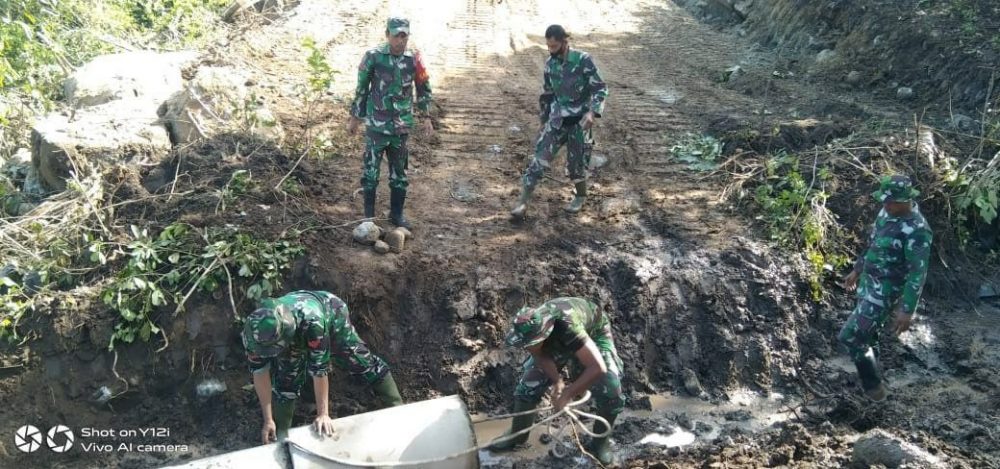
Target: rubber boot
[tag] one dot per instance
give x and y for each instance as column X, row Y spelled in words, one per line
column 369, row 203
column 517, row 424
column 601, row 447
column 871, row 381
column 579, row 198
column 388, row 392
column 282, row 412
column 522, row 202
column 396, row 199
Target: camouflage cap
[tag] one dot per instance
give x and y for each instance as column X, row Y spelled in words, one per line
column 397, row 25
column 531, row 327
column 268, row 331
column 895, row 189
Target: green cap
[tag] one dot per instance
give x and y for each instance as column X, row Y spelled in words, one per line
column 267, row 332
column 531, row 327
column 895, row 189
column 397, row 25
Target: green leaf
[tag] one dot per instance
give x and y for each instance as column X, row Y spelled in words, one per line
column 174, row 258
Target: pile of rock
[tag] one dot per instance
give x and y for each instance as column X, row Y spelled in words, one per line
column 382, row 241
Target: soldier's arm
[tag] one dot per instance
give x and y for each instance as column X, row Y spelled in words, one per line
column 546, row 98
column 918, row 253
column 422, row 80
column 317, row 338
column 361, row 92
column 598, row 88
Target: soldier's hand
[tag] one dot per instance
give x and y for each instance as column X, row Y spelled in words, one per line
column 352, row 125
column 269, row 432
column 902, row 322
column 851, row 281
column 588, row 121
column 323, row 425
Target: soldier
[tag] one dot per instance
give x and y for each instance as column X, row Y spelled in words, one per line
column 892, row 272
column 290, row 336
column 573, row 94
column 387, row 77
column 555, row 333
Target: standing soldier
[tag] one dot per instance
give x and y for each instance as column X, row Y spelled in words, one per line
column 892, row 272
column 558, row 332
column 573, row 94
column 290, row 336
column 387, row 77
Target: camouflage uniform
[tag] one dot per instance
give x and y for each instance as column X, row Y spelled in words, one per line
column 563, row 325
column 571, row 88
column 384, row 100
column 892, row 270
column 311, row 324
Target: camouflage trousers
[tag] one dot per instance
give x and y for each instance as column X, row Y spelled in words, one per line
column 862, row 329
column 579, row 145
column 606, row 392
column 349, row 352
column 394, row 148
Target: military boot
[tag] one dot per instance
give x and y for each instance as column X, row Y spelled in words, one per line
column 579, row 198
column 522, row 203
column 282, row 412
column 518, row 423
column 387, row 391
column 601, row 447
column 396, row 199
column 369, row 203
column 871, row 380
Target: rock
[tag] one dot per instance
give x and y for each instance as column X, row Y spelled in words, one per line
column 732, row 73
column 407, row 234
column 472, row 345
column 111, row 134
column 826, row 56
column 878, row 447
column 743, row 7
column 964, row 123
column 691, row 383
column 367, row 233
column 465, row 305
column 209, row 388
column 217, row 100
column 381, row 247
column 598, row 161
column 271, row 8
column 143, row 77
column 853, row 77
column 904, row 93
column 395, row 239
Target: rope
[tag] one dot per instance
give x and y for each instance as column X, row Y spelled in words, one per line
column 570, row 411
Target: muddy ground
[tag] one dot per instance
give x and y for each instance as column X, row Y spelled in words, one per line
column 715, row 324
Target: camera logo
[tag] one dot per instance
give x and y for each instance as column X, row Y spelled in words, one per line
column 28, row 439
column 60, row 439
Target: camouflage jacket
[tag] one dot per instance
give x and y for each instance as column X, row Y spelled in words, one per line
column 894, row 266
column 318, row 315
column 574, row 321
column 384, row 95
column 570, row 88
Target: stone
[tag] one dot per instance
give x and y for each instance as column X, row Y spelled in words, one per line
column 904, row 93
column 270, row 8
column 732, row 73
column 407, row 234
column 381, row 247
column 367, row 233
column 143, row 76
column 853, row 77
column 691, row 383
column 826, row 56
column 743, row 7
column 395, row 239
column 112, row 134
column 465, row 305
column 878, row 447
column 964, row 123
column 216, row 101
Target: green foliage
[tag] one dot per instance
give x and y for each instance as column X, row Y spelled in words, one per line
column 166, row 269
column 796, row 215
column 699, row 152
column 320, row 72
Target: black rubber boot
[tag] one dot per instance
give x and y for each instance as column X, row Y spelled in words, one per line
column 601, row 447
column 282, row 412
column 388, row 392
column 871, row 379
column 369, row 203
column 396, row 199
column 578, row 198
column 517, row 424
